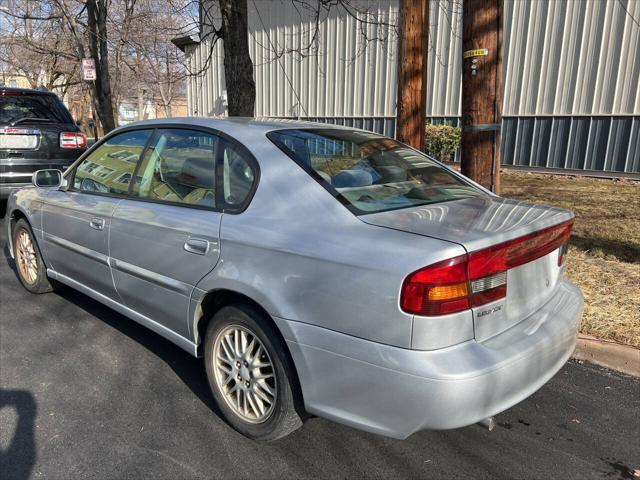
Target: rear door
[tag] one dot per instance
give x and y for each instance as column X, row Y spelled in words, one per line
column 165, row 237
column 76, row 222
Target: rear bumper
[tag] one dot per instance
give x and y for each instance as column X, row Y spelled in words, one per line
column 17, row 173
column 396, row 392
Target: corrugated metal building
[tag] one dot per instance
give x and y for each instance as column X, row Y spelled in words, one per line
column 571, row 75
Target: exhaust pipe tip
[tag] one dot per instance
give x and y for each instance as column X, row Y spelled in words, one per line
column 488, row 423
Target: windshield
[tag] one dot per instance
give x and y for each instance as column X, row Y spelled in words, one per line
column 41, row 107
column 369, row 172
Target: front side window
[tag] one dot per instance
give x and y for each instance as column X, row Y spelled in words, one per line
column 178, row 167
column 369, row 172
column 109, row 168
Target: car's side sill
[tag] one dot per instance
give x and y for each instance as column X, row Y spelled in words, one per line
column 170, row 335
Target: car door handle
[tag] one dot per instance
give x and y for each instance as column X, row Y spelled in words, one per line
column 97, row 223
column 198, row 246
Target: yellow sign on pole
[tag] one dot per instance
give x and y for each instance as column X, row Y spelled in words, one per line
column 478, row 52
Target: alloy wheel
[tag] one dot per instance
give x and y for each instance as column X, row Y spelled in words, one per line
column 27, row 259
column 244, row 373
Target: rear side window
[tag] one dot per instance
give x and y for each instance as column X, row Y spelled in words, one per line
column 369, row 172
column 238, row 175
column 178, row 167
column 110, row 167
column 14, row 107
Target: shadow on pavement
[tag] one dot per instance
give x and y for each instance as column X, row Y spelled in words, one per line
column 19, row 458
column 189, row 369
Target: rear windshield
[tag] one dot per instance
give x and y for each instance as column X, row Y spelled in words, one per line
column 32, row 106
column 371, row 173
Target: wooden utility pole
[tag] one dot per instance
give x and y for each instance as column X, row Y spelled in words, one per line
column 482, row 91
column 413, row 31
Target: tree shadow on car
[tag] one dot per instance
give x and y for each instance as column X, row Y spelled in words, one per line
column 188, row 368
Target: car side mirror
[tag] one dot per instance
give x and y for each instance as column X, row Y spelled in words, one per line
column 50, row 178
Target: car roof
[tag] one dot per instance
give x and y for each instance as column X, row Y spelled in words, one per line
column 236, row 126
column 25, row 91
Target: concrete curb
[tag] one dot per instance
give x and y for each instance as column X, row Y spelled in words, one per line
column 615, row 356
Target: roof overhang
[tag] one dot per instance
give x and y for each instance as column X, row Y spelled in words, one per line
column 183, row 42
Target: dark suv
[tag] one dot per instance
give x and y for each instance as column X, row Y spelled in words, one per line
column 36, row 132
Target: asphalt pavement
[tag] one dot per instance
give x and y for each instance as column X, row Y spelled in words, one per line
column 87, row 393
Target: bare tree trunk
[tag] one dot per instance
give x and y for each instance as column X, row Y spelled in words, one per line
column 97, row 24
column 412, row 69
column 238, row 67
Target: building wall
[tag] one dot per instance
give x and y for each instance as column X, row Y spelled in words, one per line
column 8, row 79
column 571, row 75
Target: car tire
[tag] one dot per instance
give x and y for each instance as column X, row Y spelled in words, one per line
column 256, row 390
column 30, row 267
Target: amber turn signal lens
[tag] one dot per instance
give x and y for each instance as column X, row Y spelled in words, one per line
column 447, row 292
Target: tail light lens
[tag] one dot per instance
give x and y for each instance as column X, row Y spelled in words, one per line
column 73, row 140
column 478, row 278
column 437, row 289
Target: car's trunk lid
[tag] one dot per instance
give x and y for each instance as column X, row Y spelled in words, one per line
column 480, row 222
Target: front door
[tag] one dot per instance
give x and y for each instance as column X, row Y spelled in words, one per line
column 165, row 237
column 76, row 222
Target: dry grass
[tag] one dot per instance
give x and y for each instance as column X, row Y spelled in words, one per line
column 604, row 258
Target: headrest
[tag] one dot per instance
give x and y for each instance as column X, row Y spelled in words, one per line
column 325, row 176
column 352, row 178
column 391, row 174
column 198, row 172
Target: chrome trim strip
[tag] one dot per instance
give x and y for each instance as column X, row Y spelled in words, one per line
column 36, row 162
column 170, row 335
column 9, row 130
column 152, row 277
column 16, row 174
column 79, row 249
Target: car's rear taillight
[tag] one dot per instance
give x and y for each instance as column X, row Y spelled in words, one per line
column 437, row 289
column 478, row 278
column 73, row 140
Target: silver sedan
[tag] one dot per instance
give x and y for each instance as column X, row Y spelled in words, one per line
column 317, row 270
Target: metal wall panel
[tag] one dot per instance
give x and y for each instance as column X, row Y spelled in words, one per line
column 340, row 76
column 444, row 66
column 600, row 143
column 344, row 75
column 561, row 57
column 565, row 57
column 571, row 75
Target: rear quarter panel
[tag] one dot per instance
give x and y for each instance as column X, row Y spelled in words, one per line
column 304, row 257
